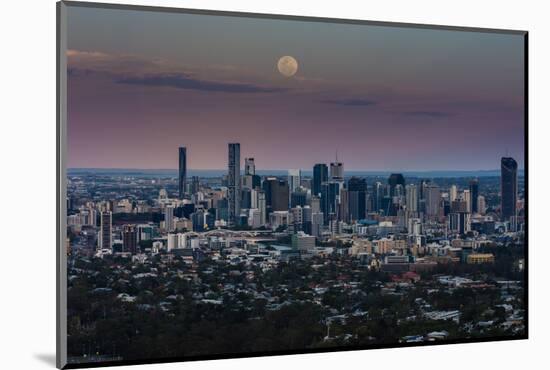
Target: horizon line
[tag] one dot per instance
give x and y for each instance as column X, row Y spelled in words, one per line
column 287, row 169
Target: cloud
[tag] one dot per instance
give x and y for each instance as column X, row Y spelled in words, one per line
column 183, row 81
column 429, row 113
column 350, row 102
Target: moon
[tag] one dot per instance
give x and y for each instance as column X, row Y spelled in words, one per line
column 287, row 66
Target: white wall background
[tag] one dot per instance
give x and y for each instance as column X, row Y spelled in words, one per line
column 27, row 180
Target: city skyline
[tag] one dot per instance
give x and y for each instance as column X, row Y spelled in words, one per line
column 459, row 97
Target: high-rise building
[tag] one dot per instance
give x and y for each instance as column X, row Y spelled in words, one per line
column 249, row 166
column 394, row 180
column 411, row 197
column 320, row 175
column 337, row 171
column 262, row 207
column 508, row 187
column 459, row 222
column 467, row 197
column 481, row 206
column 234, row 182
column 357, row 197
column 130, row 239
column 474, row 193
column 453, row 193
column 433, row 200
column 294, row 179
column 182, row 176
column 106, row 230
column 279, row 195
column 169, row 218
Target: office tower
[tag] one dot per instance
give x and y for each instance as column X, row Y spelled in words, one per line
column 267, row 184
column 182, row 176
column 254, row 218
column 343, row 205
column 320, row 175
column 481, row 206
column 453, row 193
column 306, row 219
column 508, row 187
column 337, row 171
column 329, row 199
column 459, row 222
column 474, row 193
column 298, row 198
column 234, row 182
column 315, row 204
column 169, row 218
column 198, row 220
column 411, row 197
column 378, row 196
column 296, row 219
column 262, row 207
column 279, row 195
column 106, row 224
column 294, row 179
column 432, row 195
column 246, row 198
column 357, row 196
column 394, row 180
column 130, row 239
column 222, row 209
column 467, row 197
column 194, row 187
column 249, row 166
column 317, row 221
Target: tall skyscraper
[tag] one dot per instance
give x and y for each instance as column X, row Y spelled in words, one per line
column 169, row 218
column 508, row 187
column 453, row 193
column 106, row 224
column 234, row 182
column 320, row 175
column 337, row 171
column 433, row 200
column 394, row 180
column 182, row 176
column 279, row 195
column 294, row 179
column 357, row 195
column 262, row 207
column 474, row 193
column 411, row 197
column 249, row 166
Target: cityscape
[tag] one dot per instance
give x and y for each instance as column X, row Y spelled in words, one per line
column 241, row 185
column 172, row 265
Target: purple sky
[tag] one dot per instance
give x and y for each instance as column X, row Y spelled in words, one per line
column 141, row 84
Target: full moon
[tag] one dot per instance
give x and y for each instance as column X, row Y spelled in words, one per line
column 288, row 66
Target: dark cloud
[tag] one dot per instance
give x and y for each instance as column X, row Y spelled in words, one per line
column 349, row 102
column 429, row 113
column 182, row 81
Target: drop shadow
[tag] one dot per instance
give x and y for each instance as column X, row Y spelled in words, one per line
column 47, row 358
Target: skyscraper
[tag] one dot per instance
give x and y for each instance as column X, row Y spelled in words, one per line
column 169, row 218
column 234, row 182
column 357, row 197
column 474, row 193
column 508, row 187
column 182, row 176
column 433, row 200
column 294, row 178
column 106, row 238
column 394, row 180
column 411, row 197
column 337, row 171
column 249, row 166
column 320, row 175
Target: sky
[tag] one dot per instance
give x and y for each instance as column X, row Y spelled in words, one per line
column 142, row 83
